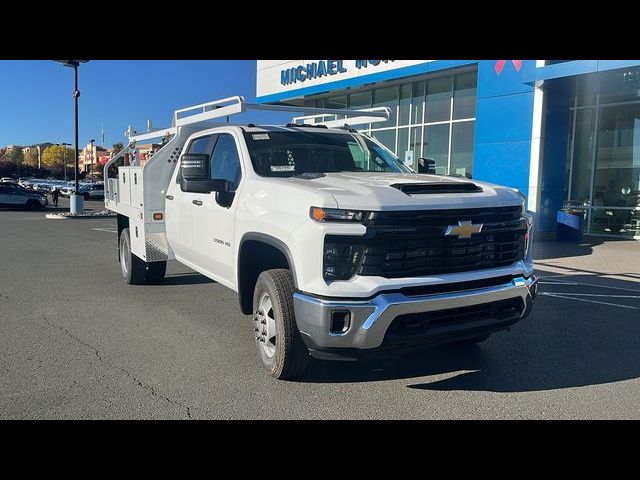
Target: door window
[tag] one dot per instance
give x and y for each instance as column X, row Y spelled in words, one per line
column 9, row 190
column 225, row 162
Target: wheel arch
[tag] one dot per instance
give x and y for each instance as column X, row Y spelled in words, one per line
column 259, row 252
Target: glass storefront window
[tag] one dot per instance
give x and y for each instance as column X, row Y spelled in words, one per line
column 386, row 97
column 425, row 118
column 464, row 96
column 617, row 174
column 587, row 89
column 582, row 156
column 360, row 100
column 438, row 99
column 415, row 144
column 417, row 102
column 605, row 165
column 405, row 101
column 436, row 146
column 386, row 137
column 462, row 148
column 403, row 143
column 610, row 221
column 339, row 101
column 620, row 86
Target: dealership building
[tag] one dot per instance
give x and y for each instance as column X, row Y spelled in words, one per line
column 557, row 130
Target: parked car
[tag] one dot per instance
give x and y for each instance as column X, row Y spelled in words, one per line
column 68, row 189
column 94, row 190
column 13, row 195
column 7, row 180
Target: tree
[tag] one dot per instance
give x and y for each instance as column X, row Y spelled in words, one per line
column 15, row 155
column 3, row 153
column 31, row 158
column 54, row 156
column 117, row 147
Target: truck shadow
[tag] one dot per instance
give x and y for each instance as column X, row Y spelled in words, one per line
column 564, row 343
column 186, row 279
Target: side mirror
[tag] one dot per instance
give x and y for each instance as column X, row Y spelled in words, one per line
column 195, row 166
column 426, row 165
column 204, row 185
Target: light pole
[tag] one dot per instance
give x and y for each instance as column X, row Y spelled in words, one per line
column 92, row 141
column 77, row 202
column 64, row 157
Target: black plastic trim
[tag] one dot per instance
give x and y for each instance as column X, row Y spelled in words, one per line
column 456, row 287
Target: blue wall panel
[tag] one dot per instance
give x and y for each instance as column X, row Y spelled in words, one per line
column 501, row 163
column 503, row 125
column 506, row 118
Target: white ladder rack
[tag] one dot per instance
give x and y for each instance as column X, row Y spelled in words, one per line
column 225, row 107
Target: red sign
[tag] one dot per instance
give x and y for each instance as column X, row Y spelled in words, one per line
column 501, row 63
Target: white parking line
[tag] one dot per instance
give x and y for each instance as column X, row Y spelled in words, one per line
column 588, row 284
column 104, row 230
column 593, row 295
column 555, row 295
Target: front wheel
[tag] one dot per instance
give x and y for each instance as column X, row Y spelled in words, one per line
column 280, row 346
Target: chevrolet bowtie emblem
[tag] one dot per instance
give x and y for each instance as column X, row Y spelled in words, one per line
column 464, row 229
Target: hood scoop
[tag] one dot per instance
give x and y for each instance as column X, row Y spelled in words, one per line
column 429, row 188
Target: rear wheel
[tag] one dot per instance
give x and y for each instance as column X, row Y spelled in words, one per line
column 280, row 347
column 133, row 267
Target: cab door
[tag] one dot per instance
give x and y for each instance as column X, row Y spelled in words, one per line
column 214, row 213
column 180, row 207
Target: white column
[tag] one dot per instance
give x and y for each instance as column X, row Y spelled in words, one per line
column 537, row 140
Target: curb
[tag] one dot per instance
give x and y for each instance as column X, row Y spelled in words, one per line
column 69, row 216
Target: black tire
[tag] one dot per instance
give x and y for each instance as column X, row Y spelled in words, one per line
column 469, row 342
column 32, row 205
column 133, row 268
column 290, row 355
column 156, row 271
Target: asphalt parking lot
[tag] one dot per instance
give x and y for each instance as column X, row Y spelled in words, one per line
column 77, row 342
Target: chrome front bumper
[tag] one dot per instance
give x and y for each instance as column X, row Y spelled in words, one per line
column 369, row 319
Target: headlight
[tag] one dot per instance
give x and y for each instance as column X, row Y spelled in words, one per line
column 341, row 260
column 523, row 199
column 336, row 215
column 529, row 216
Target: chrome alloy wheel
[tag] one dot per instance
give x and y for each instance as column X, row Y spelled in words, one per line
column 265, row 326
column 125, row 258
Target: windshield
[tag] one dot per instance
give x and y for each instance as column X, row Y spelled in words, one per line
column 288, row 153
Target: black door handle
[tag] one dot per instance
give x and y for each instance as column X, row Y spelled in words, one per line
column 197, row 202
column 169, row 197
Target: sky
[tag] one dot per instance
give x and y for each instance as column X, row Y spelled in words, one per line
column 36, row 103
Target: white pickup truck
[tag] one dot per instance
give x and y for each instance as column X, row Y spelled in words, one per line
column 336, row 248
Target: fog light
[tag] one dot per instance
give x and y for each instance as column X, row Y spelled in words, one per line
column 340, row 321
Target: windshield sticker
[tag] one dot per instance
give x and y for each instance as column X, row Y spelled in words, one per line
column 260, row 136
column 283, row 168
